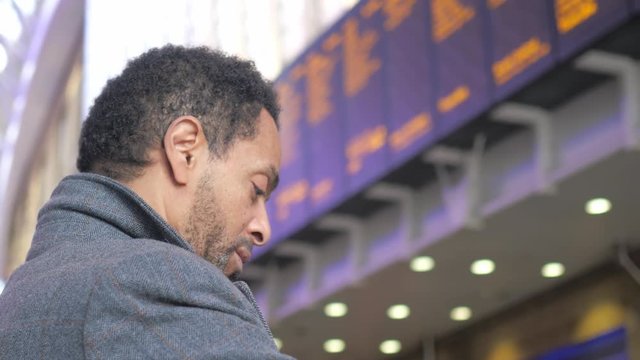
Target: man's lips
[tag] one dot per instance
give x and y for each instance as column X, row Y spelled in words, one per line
column 244, row 254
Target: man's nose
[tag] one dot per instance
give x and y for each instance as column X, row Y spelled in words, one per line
column 259, row 227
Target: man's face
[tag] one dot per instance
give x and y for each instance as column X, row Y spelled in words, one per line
column 229, row 214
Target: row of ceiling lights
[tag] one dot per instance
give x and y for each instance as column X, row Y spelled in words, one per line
column 402, row 311
column 395, row 312
column 334, row 346
column 484, row 267
column 596, row 206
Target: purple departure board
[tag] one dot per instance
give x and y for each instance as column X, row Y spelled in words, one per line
column 325, row 121
column 461, row 60
column 520, row 33
column 392, row 77
column 408, row 78
column 290, row 200
column 365, row 104
column 579, row 22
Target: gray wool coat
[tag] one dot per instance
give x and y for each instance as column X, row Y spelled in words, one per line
column 107, row 278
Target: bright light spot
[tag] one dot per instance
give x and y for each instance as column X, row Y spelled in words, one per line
column 4, row 58
column 398, row 312
column 28, row 69
column 350, row 3
column 483, row 267
column 336, row 309
column 330, row 11
column 461, row 313
column 390, row 346
column 422, row 264
column 10, row 25
column 334, row 346
column 294, row 28
column 597, row 206
column 27, row 7
column 278, row 343
column 13, row 128
column 1, row 285
column 231, row 32
column 552, row 270
column 261, row 28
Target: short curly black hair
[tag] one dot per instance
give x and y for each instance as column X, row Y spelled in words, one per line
column 135, row 109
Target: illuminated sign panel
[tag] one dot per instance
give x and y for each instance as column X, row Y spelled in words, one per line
column 462, row 73
column 408, row 78
column 521, row 42
column 290, row 201
column 612, row 344
column 394, row 76
column 367, row 134
column 579, row 22
column 325, row 121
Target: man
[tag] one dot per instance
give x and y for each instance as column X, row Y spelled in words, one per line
column 137, row 256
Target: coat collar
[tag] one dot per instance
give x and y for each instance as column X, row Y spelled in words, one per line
column 95, row 207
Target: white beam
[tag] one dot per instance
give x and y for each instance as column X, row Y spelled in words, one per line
column 310, row 256
column 470, row 162
column 405, row 197
column 540, row 120
column 429, row 349
column 444, row 155
column 627, row 263
column 354, row 229
column 627, row 70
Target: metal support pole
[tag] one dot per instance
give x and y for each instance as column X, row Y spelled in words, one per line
column 540, row 120
column 310, row 257
column 625, row 261
column 429, row 349
column 471, row 164
column 627, row 70
column 405, row 197
column 354, row 229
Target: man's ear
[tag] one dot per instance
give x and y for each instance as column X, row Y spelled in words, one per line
column 184, row 143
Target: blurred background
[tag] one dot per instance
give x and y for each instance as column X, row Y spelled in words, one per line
column 458, row 176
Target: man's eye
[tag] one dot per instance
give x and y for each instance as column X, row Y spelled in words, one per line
column 258, row 191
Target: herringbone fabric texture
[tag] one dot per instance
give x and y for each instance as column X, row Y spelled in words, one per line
column 108, row 278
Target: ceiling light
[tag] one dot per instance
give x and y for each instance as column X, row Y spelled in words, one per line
column 334, row 346
column 483, row 267
column 461, row 313
column 398, row 312
column 336, row 309
column 390, row 347
column 597, row 206
column 422, row 264
column 10, row 25
column 278, row 343
column 4, row 58
column 553, row 270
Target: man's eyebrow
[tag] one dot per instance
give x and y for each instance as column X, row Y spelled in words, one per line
column 274, row 178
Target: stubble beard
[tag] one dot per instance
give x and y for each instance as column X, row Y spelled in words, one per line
column 205, row 230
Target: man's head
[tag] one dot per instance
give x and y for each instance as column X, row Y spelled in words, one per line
column 194, row 133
